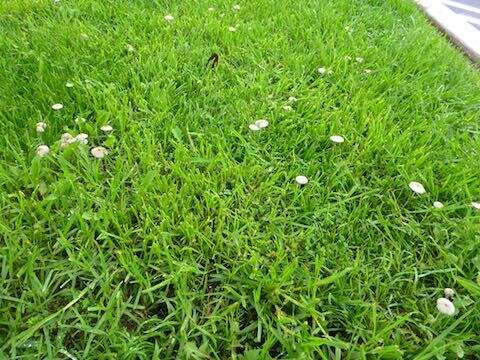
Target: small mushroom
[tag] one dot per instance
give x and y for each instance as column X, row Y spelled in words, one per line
column 40, row 127
column 445, row 306
column 417, row 188
column 262, row 123
column 42, row 150
column 301, row 180
column 337, row 139
column 99, row 152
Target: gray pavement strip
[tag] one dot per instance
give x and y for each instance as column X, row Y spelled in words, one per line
column 459, row 23
column 474, row 3
column 464, row 12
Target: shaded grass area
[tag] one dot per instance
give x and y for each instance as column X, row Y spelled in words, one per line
column 191, row 239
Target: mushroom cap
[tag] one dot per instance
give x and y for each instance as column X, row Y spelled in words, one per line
column 301, row 180
column 338, row 139
column 445, row 306
column 417, row 187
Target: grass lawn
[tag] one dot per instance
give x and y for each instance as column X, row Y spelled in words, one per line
column 190, row 238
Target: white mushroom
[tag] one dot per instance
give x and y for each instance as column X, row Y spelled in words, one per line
column 43, row 150
column 475, row 205
column 99, row 152
column 301, row 180
column 416, row 187
column 445, row 306
column 66, row 140
column 262, row 123
column 81, row 138
column 57, row 106
column 40, row 127
column 449, row 293
column 106, row 128
column 66, row 137
column 438, row 205
column 337, row 139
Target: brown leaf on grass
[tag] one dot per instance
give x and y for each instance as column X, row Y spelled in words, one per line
column 213, row 60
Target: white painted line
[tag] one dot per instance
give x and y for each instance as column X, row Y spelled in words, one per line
column 460, row 5
column 456, row 26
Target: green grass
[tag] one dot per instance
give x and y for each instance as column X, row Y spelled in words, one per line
column 191, row 239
